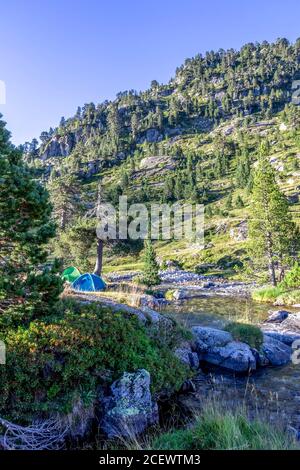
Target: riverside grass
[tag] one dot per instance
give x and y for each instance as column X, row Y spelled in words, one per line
column 216, row 427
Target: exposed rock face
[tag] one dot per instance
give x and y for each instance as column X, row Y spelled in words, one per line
column 151, row 136
column 59, row 146
column 235, row 356
column 129, row 410
column 277, row 353
column 157, row 161
column 240, row 232
column 207, row 338
column 293, row 198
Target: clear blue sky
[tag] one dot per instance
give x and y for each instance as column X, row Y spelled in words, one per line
column 58, row 54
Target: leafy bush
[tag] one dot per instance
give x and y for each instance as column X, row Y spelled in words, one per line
column 52, row 361
column 218, row 429
column 249, row 334
column 292, row 278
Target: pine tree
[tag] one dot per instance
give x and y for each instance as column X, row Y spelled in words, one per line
column 65, row 197
column 272, row 231
column 239, row 202
column 134, row 125
column 26, row 285
column 228, row 203
column 114, row 125
column 150, row 275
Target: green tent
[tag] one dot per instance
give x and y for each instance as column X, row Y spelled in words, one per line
column 70, row 274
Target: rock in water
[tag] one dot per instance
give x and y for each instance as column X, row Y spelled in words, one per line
column 218, row 347
column 276, row 352
column 129, row 410
column 207, row 337
column 235, row 356
column 278, row 316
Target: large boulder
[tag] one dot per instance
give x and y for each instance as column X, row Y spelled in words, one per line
column 207, row 338
column 129, row 409
column 235, row 356
column 277, row 353
column 218, row 347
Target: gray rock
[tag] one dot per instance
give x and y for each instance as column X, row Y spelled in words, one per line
column 181, row 294
column 217, row 347
column 275, row 351
column 240, row 232
column 235, row 356
column 287, row 337
column 207, row 338
column 188, row 357
column 277, row 316
column 129, row 410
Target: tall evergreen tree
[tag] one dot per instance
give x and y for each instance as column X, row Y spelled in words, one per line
column 272, row 231
column 65, row 197
column 25, row 227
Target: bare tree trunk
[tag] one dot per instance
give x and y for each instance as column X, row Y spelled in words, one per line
column 98, row 264
column 270, row 260
column 63, row 220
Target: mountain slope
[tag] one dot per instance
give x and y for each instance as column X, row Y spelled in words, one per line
column 195, row 138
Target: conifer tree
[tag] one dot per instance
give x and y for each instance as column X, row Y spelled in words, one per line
column 65, row 197
column 272, row 231
column 150, row 275
column 26, row 285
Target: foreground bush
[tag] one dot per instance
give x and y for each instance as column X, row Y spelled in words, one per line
column 54, row 361
column 217, row 429
column 249, row 334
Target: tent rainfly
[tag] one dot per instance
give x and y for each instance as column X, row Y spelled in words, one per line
column 70, row 274
column 89, row 283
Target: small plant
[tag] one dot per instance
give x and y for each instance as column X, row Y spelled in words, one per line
column 245, row 333
column 150, row 275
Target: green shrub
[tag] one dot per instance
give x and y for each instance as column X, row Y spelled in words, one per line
column 292, row 278
column 249, row 334
column 218, row 429
column 52, row 361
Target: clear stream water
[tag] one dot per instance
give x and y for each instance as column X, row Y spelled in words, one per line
column 273, row 392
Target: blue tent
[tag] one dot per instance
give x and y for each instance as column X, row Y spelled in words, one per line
column 89, row 283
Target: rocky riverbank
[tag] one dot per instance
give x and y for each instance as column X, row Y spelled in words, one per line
column 129, row 407
column 187, row 284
